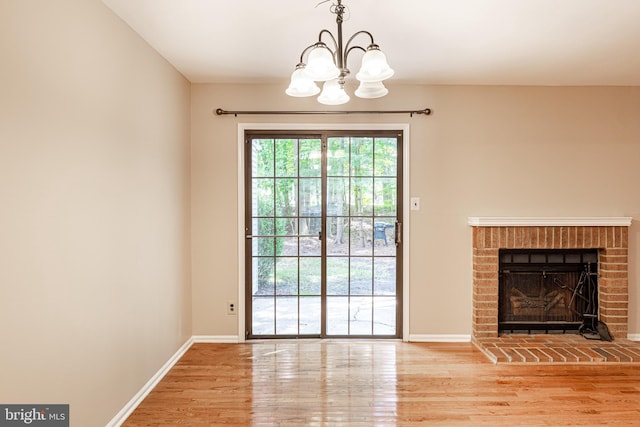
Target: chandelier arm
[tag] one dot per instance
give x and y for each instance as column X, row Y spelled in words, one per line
column 361, row 32
column 304, row 52
column 356, row 35
column 346, row 53
column 348, row 48
column 333, row 39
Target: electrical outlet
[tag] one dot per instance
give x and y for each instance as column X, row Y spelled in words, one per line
column 231, row 307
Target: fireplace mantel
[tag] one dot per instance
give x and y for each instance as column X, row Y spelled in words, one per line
column 498, row 221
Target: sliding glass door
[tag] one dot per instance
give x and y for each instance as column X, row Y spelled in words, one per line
column 323, row 251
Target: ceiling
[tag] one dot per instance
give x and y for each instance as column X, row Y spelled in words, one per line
column 486, row 42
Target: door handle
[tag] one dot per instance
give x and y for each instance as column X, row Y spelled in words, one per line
column 398, row 232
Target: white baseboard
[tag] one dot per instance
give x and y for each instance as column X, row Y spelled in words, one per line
column 216, row 339
column 124, row 413
column 439, row 338
column 633, row 337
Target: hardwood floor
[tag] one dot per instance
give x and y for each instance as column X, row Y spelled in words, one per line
column 383, row 383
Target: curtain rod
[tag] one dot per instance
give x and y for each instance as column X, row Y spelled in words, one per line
column 426, row 112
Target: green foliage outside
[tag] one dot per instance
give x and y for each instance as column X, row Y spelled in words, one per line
column 361, row 179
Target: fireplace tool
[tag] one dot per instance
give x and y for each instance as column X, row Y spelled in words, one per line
column 586, row 292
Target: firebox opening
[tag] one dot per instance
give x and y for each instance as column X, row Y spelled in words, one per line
column 546, row 291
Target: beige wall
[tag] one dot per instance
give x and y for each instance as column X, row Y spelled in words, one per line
column 486, row 151
column 94, row 208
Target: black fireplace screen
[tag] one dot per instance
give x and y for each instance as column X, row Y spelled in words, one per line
column 545, row 290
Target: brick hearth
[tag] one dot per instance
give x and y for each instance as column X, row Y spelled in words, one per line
column 608, row 235
column 553, row 349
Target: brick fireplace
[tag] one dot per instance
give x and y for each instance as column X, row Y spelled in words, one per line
column 608, row 235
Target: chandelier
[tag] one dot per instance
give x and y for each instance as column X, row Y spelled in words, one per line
column 328, row 64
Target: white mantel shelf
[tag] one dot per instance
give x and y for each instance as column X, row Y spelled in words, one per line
column 498, row 221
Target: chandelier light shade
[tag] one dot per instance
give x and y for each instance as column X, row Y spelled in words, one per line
column 374, row 66
column 333, row 93
column 301, row 84
column 328, row 63
column 320, row 65
column 371, row 90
